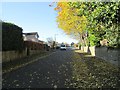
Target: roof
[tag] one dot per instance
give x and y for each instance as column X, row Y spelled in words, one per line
column 41, row 41
column 31, row 33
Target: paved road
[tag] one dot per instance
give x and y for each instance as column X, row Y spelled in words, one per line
column 50, row 72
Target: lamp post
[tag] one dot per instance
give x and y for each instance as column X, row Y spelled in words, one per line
column 55, row 39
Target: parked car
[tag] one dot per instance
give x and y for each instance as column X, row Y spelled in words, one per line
column 57, row 47
column 63, row 47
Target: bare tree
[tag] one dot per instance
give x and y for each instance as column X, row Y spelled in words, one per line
column 51, row 42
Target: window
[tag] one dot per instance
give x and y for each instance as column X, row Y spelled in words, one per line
column 62, row 45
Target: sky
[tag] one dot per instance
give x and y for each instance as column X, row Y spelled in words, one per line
column 35, row 17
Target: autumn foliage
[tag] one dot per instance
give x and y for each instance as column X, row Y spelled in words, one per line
column 90, row 22
column 68, row 20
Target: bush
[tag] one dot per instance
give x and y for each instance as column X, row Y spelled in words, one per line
column 12, row 38
column 112, row 35
column 92, row 39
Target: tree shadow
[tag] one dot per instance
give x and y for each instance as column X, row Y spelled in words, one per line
column 97, row 72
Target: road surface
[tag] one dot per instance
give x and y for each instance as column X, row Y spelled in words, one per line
column 52, row 71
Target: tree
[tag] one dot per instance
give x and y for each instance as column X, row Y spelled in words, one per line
column 51, row 42
column 95, row 18
column 69, row 21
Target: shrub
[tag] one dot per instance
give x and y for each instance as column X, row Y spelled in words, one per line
column 12, row 38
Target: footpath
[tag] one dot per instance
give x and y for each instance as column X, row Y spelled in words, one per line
column 15, row 64
column 92, row 72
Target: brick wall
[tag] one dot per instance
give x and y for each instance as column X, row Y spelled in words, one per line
column 31, row 47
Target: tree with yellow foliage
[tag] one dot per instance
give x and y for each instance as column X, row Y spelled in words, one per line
column 98, row 19
column 69, row 21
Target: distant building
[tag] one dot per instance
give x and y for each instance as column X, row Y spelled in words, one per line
column 58, row 44
column 32, row 36
column 42, row 42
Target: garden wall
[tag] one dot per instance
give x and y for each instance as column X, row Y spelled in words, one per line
column 12, row 55
column 111, row 55
column 31, row 48
column 8, row 56
column 35, row 51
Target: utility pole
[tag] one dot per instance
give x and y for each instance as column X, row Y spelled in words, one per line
column 55, row 39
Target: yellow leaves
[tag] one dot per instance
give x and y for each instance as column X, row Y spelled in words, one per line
column 77, row 10
column 83, row 5
column 56, row 8
column 62, row 5
column 99, row 27
column 68, row 20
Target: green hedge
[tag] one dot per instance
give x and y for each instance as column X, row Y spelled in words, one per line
column 12, row 38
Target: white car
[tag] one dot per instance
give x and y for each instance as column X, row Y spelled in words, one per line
column 63, row 47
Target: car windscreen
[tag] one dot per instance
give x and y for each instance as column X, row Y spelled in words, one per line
column 62, row 45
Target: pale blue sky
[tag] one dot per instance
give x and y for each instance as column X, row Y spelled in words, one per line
column 34, row 17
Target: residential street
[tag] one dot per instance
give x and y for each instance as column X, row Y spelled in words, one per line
column 64, row 69
column 50, row 72
column 60, row 44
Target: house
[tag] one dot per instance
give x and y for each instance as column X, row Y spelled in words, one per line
column 40, row 41
column 32, row 36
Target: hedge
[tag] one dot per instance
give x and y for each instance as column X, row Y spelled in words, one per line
column 12, row 38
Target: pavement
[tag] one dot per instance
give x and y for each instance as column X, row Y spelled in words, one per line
column 52, row 71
